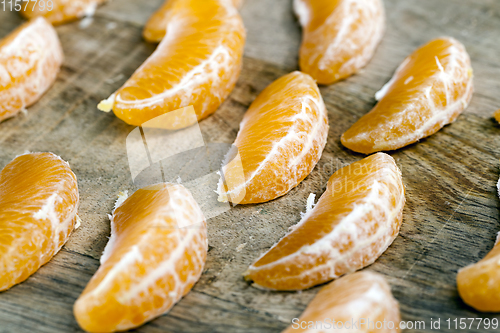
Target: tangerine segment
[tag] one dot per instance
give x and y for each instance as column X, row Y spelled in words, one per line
column 281, row 139
column 339, row 36
column 363, row 297
column 156, row 27
column 353, row 223
column 30, row 58
column 428, row 91
column 496, row 115
column 479, row 284
column 197, row 63
column 38, row 207
column 155, row 255
column 61, row 11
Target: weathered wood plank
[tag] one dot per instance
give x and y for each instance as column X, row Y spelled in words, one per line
column 452, row 212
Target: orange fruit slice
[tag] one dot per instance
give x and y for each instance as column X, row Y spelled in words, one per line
column 353, row 223
column 197, row 63
column 479, row 284
column 339, row 36
column 38, row 207
column 30, row 58
column 497, row 115
column 428, row 91
column 280, row 140
column 156, row 27
column 155, row 255
column 59, row 11
column 361, row 301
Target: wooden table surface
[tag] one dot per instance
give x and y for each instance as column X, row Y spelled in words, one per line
column 451, row 215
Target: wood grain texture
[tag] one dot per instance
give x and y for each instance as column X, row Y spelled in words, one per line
column 452, row 212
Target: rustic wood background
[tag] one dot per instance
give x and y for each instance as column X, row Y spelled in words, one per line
column 452, row 212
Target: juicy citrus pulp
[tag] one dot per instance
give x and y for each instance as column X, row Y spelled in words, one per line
column 38, row 207
column 363, row 298
column 156, row 27
column 429, row 90
column 497, row 115
column 479, row 284
column 30, row 58
column 59, row 11
column 197, row 63
column 353, row 223
column 155, row 255
column 339, row 36
column 281, row 139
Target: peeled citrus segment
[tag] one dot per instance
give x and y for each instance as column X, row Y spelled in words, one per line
column 497, row 115
column 428, row 91
column 479, row 284
column 155, row 255
column 59, row 11
column 197, row 63
column 30, row 58
column 363, row 297
column 38, row 207
column 281, row 139
column 339, row 36
column 353, row 223
column 155, row 28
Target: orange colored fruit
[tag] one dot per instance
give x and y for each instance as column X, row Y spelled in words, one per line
column 428, row 91
column 155, row 255
column 497, row 115
column 353, row 223
column 30, row 58
column 38, row 207
column 59, row 11
column 339, row 36
column 155, row 28
column 479, row 284
column 361, row 302
column 197, row 63
column 281, row 139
